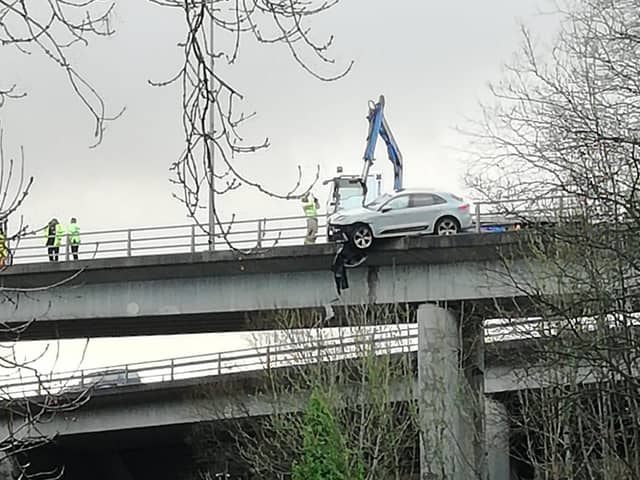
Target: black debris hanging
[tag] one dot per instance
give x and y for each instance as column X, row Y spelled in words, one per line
column 346, row 257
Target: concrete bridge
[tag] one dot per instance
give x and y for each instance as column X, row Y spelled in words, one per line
column 137, row 418
column 161, row 412
column 230, row 291
column 176, row 404
column 167, row 395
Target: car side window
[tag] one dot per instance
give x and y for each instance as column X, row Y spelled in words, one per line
column 397, row 203
column 426, row 200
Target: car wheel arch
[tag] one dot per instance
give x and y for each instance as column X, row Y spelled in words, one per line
column 444, row 218
column 353, row 229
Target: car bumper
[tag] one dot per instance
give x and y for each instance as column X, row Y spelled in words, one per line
column 466, row 223
column 336, row 232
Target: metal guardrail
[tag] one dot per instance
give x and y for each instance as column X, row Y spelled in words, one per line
column 550, row 209
column 512, row 212
column 399, row 339
column 262, row 232
column 169, row 370
column 158, row 240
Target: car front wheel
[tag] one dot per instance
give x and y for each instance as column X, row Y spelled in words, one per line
column 447, row 226
column 361, row 236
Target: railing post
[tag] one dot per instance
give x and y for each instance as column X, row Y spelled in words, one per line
column 262, row 224
column 477, row 217
column 129, row 243
column 268, row 357
column 82, row 378
column 264, row 228
column 171, row 377
column 193, row 238
column 66, row 250
column 259, row 239
column 126, row 374
column 219, row 363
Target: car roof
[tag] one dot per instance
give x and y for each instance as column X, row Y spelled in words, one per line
column 424, row 190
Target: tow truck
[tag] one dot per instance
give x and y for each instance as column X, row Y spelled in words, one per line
column 349, row 191
column 346, row 191
column 352, row 191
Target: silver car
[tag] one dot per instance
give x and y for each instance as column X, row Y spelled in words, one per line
column 408, row 212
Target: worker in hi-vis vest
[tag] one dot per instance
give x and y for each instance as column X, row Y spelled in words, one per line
column 53, row 234
column 310, row 206
column 73, row 237
column 4, row 250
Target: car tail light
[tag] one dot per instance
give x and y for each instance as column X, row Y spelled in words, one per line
column 464, row 206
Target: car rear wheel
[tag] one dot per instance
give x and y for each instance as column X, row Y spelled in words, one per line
column 447, row 226
column 361, row 236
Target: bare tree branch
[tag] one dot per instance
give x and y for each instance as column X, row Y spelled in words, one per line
column 203, row 89
column 562, row 133
column 53, row 28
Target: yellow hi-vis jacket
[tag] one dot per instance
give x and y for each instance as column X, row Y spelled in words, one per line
column 73, row 233
column 59, row 233
column 309, row 207
column 3, row 246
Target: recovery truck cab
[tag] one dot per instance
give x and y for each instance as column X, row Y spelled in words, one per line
column 345, row 192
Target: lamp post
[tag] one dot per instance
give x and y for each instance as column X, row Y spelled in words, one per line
column 212, row 200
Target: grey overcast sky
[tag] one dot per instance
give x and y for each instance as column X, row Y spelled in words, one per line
column 431, row 59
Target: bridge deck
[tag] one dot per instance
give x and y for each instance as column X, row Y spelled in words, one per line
column 227, row 290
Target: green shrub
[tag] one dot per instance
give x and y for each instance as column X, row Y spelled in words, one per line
column 324, row 453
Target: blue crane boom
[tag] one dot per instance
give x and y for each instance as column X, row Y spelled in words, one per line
column 348, row 257
column 378, row 126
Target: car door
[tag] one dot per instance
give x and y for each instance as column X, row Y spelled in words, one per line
column 393, row 216
column 425, row 209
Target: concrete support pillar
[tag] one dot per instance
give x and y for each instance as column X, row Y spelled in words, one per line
column 450, row 405
column 497, row 440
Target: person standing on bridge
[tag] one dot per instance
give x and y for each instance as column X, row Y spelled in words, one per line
column 53, row 233
column 4, row 250
column 73, row 237
column 310, row 207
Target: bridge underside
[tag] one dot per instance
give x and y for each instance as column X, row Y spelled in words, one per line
column 333, row 315
column 163, row 453
column 187, row 402
column 156, row 435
